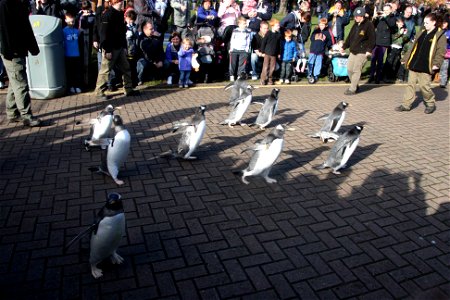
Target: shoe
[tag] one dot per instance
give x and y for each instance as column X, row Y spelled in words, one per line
column 186, row 86
column 190, row 82
column 180, row 86
column 263, row 82
column 232, row 78
column 132, row 93
column 281, row 81
column 15, row 119
column 72, row 90
column 140, row 83
column 430, row 109
column 32, row 122
column 112, row 88
column 287, row 81
column 442, row 86
column 270, row 82
column 371, row 80
column 103, row 97
column 2, row 85
column 349, row 93
column 254, row 77
column 402, row 108
column 169, row 80
column 77, row 90
column 377, row 81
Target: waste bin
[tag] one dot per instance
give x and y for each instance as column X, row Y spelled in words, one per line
column 46, row 71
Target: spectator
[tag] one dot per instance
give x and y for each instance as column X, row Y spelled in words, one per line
column 72, row 54
column 16, row 40
column 239, row 48
column 288, row 55
column 86, row 22
column 270, row 48
column 399, row 39
column 185, row 62
column 320, row 41
column 113, row 43
column 248, row 6
column 360, row 42
column 384, row 23
column 257, row 56
column 300, row 24
column 130, row 6
column 132, row 48
column 206, row 14
column 262, row 12
column 160, row 7
column 443, row 74
column 47, row 7
column 423, row 59
column 228, row 13
column 2, row 75
column 181, row 17
column 338, row 19
column 152, row 53
column 410, row 24
column 171, row 61
column 321, row 9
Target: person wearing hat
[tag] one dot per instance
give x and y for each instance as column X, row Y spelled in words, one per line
column 360, row 42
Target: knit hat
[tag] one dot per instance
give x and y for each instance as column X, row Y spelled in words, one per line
column 359, row 12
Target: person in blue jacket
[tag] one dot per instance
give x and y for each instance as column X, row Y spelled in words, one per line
column 206, row 14
column 288, row 55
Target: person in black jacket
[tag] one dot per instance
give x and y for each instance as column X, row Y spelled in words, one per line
column 152, row 52
column 47, row 7
column 263, row 13
column 384, row 23
column 113, row 44
column 16, row 40
column 271, row 49
column 360, row 42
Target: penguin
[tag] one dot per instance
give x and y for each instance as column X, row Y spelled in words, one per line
column 101, row 129
column 237, row 87
column 265, row 154
column 342, row 150
column 106, row 233
column 268, row 110
column 332, row 123
column 191, row 137
column 239, row 107
column 117, row 151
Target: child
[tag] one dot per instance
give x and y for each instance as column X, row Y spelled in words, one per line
column 443, row 74
column 337, row 48
column 399, row 39
column 270, row 47
column 185, row 62
column 132, row 37
column 239, row 48
column 320, row 42
column 72, row 54
column 288, row 55
column 171, row 61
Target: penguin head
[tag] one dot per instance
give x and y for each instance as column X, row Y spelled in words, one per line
column 274, row 93
column 202, row 109
column 343, row 105
column 243, row 76
column 359, row 128
column 279, row 130
column 117, row 120
column 109, row 109
column 250, row 87
column 114, row 202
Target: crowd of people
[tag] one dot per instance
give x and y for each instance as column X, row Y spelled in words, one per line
column 236, row 38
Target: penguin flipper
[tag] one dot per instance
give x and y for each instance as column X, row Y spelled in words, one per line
column 167, row 154
column 321, row 166
column 178, row 125
column 80, row 236
column 230, row 84
column 323, row 117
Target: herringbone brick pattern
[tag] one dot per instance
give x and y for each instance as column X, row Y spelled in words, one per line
column 194, row 231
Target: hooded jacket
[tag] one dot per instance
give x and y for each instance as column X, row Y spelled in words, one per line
column 361, row 38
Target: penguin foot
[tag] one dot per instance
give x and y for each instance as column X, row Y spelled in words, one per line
column 190, row 158
column 244, row 180
column 116, row 259
column 118, row 181
column 336, row 172
column 231, row 125
column 86, row 145
column 270, row 180
column 242, row 124
column 96, row 272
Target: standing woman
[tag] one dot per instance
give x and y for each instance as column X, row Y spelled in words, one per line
column 424, row 58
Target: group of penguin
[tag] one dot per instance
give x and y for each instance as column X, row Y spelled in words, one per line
column 108, row 132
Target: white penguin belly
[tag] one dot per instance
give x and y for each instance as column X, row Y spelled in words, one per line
column 118, row 152
column 195, row 137
column 107, row 239
column 238, row 113
column 268, row 156
column 102, row 127
column 347, row 153
column 339, row 123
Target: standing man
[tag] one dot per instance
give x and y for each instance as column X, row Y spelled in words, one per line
column 113, row 44
column 16, row 39
column 423, row 59
column 181, row 16
column 257, row 56
column 360, row 41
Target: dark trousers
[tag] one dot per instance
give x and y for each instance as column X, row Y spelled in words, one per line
column 268, row 68
column 133, row 67
column 376, row 64
column 392, row 63
column 286, row 70
column 239, row 59
column 74, row 70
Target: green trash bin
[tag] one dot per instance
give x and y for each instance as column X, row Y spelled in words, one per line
column 46, row 71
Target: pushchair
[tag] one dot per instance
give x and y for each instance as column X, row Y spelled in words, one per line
column 337, row 66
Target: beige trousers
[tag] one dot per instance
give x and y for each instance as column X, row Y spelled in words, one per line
column 355, row 65
column 424, row 82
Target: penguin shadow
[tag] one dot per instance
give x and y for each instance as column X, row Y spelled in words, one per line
column 251, row 120
column 290, row 118
column 225, row 143
column 297, row 159
column 360, row 154
column 345, row 128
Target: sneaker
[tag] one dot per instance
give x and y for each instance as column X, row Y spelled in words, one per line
column 281, row 81
column 2, row 85
column 349, row 93
column 430, row 109
column 77, row 90
column 186, row 86
column 287, row 81
column 254, row 77
column 180, row 86
column 32, row 122
column 232, row 78
column 72, row 90
column 169, row 80
column 140, row 83
column 190, row 82
column 402, row 108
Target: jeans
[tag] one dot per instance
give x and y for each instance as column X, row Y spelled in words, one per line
column 314, row 64
column 286, row 70
column 256, row 62
column 184, row 77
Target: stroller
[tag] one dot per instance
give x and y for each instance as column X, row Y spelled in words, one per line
column 337, row 66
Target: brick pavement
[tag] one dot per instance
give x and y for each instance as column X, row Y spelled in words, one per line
column 194, row 231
